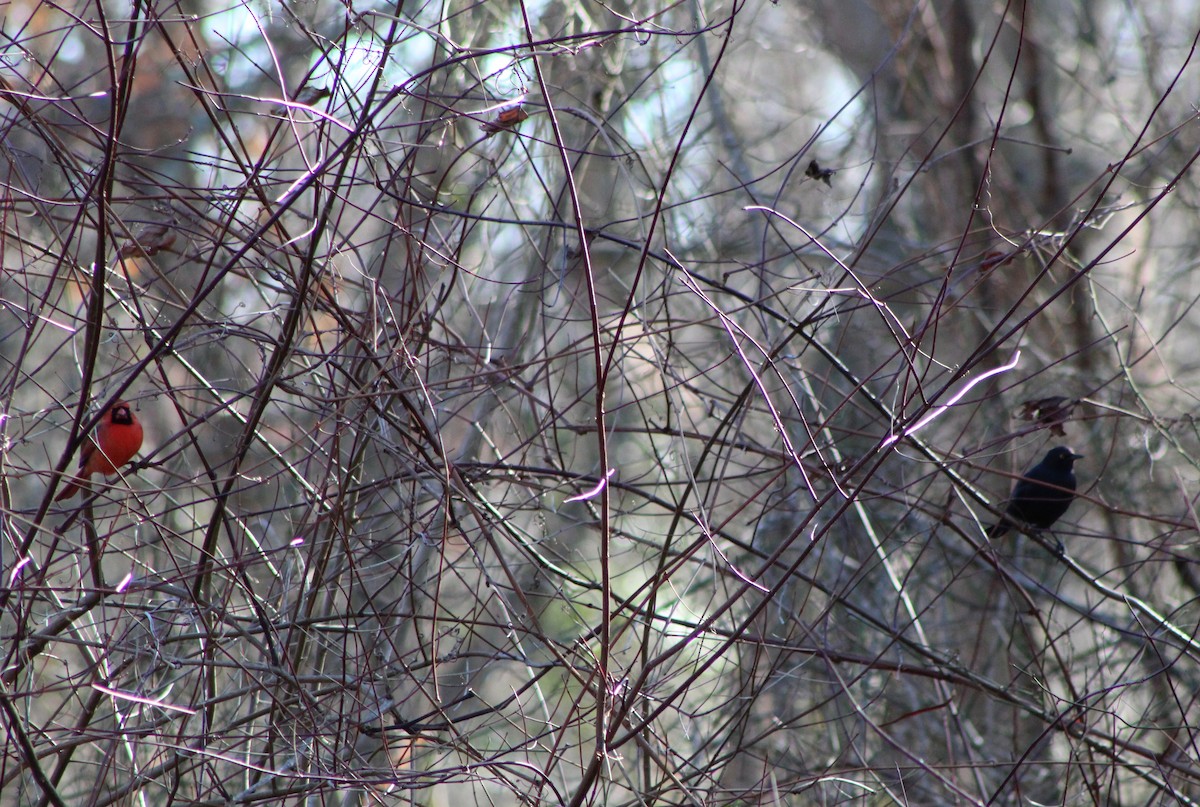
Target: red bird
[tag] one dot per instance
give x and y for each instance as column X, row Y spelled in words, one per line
column 117, row 439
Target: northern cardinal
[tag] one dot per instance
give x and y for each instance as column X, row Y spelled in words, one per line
column 117, row 439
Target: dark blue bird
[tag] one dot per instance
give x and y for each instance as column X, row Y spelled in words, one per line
column 1042, row 494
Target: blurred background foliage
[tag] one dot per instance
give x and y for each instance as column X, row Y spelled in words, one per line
column 576, row 402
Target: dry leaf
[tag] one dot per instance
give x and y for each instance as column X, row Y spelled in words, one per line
column 507, row 119
column 815, row 171
column 1051, row 412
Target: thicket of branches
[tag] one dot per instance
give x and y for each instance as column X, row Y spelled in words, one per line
column 598, row 403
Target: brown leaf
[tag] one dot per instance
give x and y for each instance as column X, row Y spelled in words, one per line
column 508, row 118
column 815, row 171
column 1051, row 412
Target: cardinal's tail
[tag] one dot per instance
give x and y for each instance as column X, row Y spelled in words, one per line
column 67, row 492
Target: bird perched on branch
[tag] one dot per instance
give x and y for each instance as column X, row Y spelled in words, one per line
column 116, row 439
column 1042, row 494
